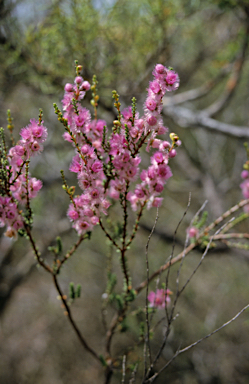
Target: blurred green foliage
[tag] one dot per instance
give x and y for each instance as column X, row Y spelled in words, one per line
column 119, row 41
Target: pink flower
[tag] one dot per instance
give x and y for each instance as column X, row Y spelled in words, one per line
column 139, row 192
column 158, row 187
column 20, row 150
column 68, row 87
column 38, row 130
column 82, row 226
column 96, row 166
column 151, row 120
column 151, row 104
column 245, row 188
column 245, row 174
column 95, row 193
column 72, row 213
column 193, row 232
column 35, row 147
column 157, row 202
column 34, row 186
column 158, row 156
column 171, row 77
column 85, row 86
column 78, row 80
column 172, row 80
column 172, row 153
column 159, row 298
column 155, row 86
column 127, row 113
column 100, row 125
column 94, row 220
column 162, row 130
column 160, row 69
column 164, row 171
column 75, row 166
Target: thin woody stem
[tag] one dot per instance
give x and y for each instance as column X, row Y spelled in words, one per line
column 18, row 173
column 147, row 334
column 135, row 226
column 55, row 280
column 193, row 245
column 165, row 266
column 117, row 318
column 69, row 253
column 35, row 249
column 223, row 236
column 179, row 351
column 124, row 248
column 68, row 312
column 225, row 215
column 108, row 235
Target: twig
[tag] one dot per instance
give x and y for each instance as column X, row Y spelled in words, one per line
column 68, row 313
column 147, row 335
column 186, row 243
column 228, row 213
column 133, row 375
column 135, row 228
column 69, row 253
column 195, row 343
column 35, row 249
column 223, row 236
column 123, row 249
column 55, row 280
column 109, row 236
column 123, row 369
column 169, row 318
column 202, row 258
column 193, row 245
column 173, row 247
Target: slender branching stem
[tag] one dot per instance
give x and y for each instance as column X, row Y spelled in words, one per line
column 68, row 313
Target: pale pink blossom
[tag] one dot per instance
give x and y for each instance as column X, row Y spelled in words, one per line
column 160, row 298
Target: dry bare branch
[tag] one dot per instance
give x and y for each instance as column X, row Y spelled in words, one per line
column 187, row 118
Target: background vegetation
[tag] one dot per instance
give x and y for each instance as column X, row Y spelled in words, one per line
column 120, row 41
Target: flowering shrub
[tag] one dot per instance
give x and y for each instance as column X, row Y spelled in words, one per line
column 108, row 168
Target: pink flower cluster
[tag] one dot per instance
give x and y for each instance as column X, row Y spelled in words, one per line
column 9, row 216
column 86, row 136
column 160, row 298
column 21, row 185
column 245, row 187
column 106, row 167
